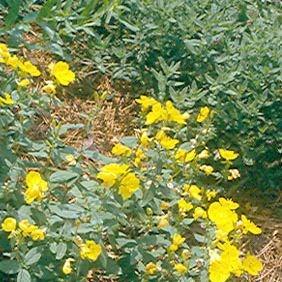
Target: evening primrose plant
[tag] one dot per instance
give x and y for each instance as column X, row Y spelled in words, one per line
column 152, row 211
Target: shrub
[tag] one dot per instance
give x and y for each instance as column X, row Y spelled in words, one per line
column 223, row 54
column 150, row 212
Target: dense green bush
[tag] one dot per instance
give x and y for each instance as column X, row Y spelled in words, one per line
column 150, row 211
column 226, row 54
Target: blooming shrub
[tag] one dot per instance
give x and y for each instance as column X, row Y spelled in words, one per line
column 151, row 212
column 224, row 54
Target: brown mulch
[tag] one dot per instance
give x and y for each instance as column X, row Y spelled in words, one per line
column 268, row 247
column 106, row 120
column 264, row 208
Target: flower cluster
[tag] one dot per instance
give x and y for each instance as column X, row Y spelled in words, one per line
column 120, row 175
column 158, row 112
column 25, row 229
column 26, row 68
column 36, row 187
column 153, row 211
column 60, row 71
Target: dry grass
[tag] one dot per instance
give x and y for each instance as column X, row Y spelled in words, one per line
column 106, row 120
column 264, row 208
column 268, row 247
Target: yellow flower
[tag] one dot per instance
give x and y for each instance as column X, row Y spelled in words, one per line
column 180, row 155
column 32, row 194
column 173, row 248
column 228, row 262
column 180, row 268
column 7, row 100
column 145, row 140
column 228, row 203
column 221, row 235
column 128, row 186
column 62, row 73
column 139, row 156
column 218, row 271
column 204, row 113
column 121, row 150
column 234, row 174
column 160, row 112
column 184, row 206
column 166, row 142
column 211, row 194
column 194, row 191
column 199, row 213
column 228, row 154
column 109, row 173
column 4, row 53
column 157, row 114
column 36, row 187
column 67, row 269
column 204, row 154
column 174, row 115
column 151, row 268
column 108, row 178
column 207, row 169
column 146, row 102
column 34, row 179
column 13, row 61
column 190, row 156
column 26, row 227
column 252, row 265
column 224, row 218
column 37, row 234
column 29, row 68
column 163, row 222
column 49, row 88
column 177, row 239
column 9, row 224
column 90, row 250
column 249, row 226
column 24, row 83
column 230, row 257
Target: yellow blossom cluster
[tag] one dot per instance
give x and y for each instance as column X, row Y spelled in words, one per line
column 16, row 63
column 230, row 262
column 177, row 241
column 229, row 259
column 25, row 228
column 225, row 258
column 119, row 174
column 158, row 112
column 7, row 100
column 60, row 71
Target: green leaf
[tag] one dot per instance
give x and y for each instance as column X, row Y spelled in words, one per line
column 129, row 141
column 32, row 256
column 9, row 266
column 23, row 276
column 13, row 12
column 46, row 9
column 63, row 176
column 61, row 250
column 67, row 211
